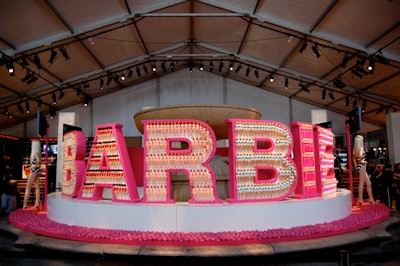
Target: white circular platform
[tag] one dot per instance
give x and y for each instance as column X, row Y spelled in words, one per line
column 185, row 218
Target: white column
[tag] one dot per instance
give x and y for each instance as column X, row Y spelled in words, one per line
column 393, row 135
column 69, row 118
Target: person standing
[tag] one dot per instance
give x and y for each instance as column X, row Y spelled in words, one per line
column 360, row 161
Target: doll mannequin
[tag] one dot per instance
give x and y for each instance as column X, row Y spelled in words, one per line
column 360, row 162
column 35, row 173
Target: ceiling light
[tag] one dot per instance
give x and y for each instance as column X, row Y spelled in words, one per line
column 32, row 79
column 364, row 105
column 286, row 83
column 221, row 66
column 323, row 94
column 53, row 112
column 303, row 47
column 61, row 95
column 315, row 50
column 53, row 96
column 238, row 68
column 27, row 77
column 201, row 67
column 123, row 76
column 28, row 109
column 109, row 79
column 39, row 103
column 20, row 108
column 247, row 71
column 211, row 66
column 345, row 60
column 164, row 69
column 36, row 60
column 10, row 67
column 154, row 68
column 331, row 95
column 130, row 73
column 354, row 103
column 371, row 65
column 138, row 71
column 53, row 55
column 116, row 77
column 64, row 53
column 78, row 90
column 356, row 73
column 337, row 82
column 86, row 101
column 230, row 67
column 271, row 78
column 256, row 73
column 146, row 71
column 101, row 84
column 172, row 66
column 381, row 59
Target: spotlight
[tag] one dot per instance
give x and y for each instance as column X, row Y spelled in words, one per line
column 337, row 82
column 20, row 109
column 28, row 109
column 201, row 67
column 303, row 47
column 381, row 59
column 101, row 84
column 116, row 77
column 78, row 90
column 315, row 50
column 371, row 65
column 53, row 96
column 247, row 71
column 347, row 101
column 256, row 73
column 109, row 79
column 146, row 71
column 271, row 78
column 123, row 76
column 364, row 105
column 86, row 86
column 221, row 66
column 211, row 66
column 172, row 66
column 130, row 73
column 36, row 60
column 61, row 95
column 64, row 53
column 356, row 73
column 10, row 67
column 138, row 71
column 345, row 60
column 53, row 55
column 304, row 87
column 164, row 69
column 86, row 101
column 331, row 95
column 32, row 79
column 53, row 112
column 237, row 68
column 354, row 103
column 323, row 94
column 24, row 62
column 154, row 68
column 286, row 83
column 190, row 67
column 230, row 67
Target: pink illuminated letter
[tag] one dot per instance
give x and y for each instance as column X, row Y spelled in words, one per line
column 74, row 149
column 260, row 165
column 109, row 166
column 178, row 146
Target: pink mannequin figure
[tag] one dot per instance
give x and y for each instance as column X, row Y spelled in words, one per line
column 35, row 160
column 360, row 161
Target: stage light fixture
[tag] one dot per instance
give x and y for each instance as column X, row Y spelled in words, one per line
column 323, row 94
column 356, row 73
column 86, row 101
column 315, row 51
column 53, row 112
column 331, row 95
column 109, row 79
column 164, row 69
column 36, row 60
column 39, row 103
column 32, row 79
column 27, row 77
column 303, row 47
column 101, row 84
column 138, row 71
column 256, row 73
column 345, row 60
column 53, row 96
column 201, row 68
column 381, row 59
column 172, row 66
column 53, row 55
column 271, row 78
column 380, row 110
column 211, row 66
column 130, row 73
column 286, row 83
column 220, row 66
column 355, row 103
column 10, row 68
column 238, row 68
column 123, row 77
column 230, row 67
column 154, row 67
column 19, row 107
column 146, row 71
column 304, row 87
column 364, row 106
column 61, row 95
column 64, row 53
column 247, row 71
column 115, row 78
column 371, row 65
column 24, row 62
column 78, row 90
column 27, row 107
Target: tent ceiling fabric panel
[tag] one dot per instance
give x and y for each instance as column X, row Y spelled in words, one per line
column 67, row 52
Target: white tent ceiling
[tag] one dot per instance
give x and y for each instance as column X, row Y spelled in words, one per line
column 105, row 39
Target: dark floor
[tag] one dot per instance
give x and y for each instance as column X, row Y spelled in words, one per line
column 383, row 250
